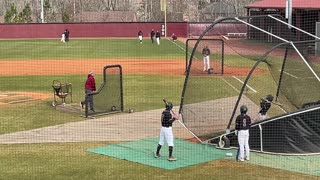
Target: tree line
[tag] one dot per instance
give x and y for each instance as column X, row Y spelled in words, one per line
column 28, row 11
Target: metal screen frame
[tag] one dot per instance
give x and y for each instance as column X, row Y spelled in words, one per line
column 188, row 53
column 87, row 114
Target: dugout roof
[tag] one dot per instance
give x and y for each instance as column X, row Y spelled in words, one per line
column 281, row 4
column 305, row 13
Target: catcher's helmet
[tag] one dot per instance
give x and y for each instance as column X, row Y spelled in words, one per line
column 269, row 98
column 169, row 106
column 243, row 109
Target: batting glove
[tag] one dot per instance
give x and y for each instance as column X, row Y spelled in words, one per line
column 175, row 116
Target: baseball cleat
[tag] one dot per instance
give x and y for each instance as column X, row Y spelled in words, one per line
column 247, row 159
column 172, row 159
column 82, row 104
column 156, row 155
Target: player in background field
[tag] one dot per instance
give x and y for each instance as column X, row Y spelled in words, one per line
column 152, row 33
column 158, row 37
column 206, row 58
column 174, row 37
column 243, row 123
column 67, row 35
column 140, row 34
column 63, row 37
column 166, row 131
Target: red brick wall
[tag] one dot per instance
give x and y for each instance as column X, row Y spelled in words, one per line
column 88, row 30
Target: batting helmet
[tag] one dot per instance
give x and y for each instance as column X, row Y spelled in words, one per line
column 243, row 109
column 269, row 98
column 169, row 106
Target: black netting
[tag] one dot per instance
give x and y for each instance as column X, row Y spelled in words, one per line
column 109, row 97
column 216, row 47
column 258, row 59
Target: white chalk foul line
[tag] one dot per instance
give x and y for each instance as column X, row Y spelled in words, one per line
column 230, row 85
column 184, row 50
column 290, row 75
column 246, row 84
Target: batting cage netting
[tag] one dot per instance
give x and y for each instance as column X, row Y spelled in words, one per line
column 109, row 97
column 268, row 65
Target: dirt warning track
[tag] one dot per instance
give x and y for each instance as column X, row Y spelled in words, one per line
column 132, row 66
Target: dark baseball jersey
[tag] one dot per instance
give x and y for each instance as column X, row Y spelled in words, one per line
column 265, row 106
column 157, row 34
column 140, row 33
column 166, row 118
column 243, row 122
column 152, row 34
column 206, row 51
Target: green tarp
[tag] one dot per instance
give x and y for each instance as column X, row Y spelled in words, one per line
column 142, row 151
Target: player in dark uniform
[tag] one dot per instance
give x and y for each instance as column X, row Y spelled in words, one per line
column 67, row 34
column 243, row 123
column 265, row 105
column 158, row 37
column 166, row 131
column 140, row 34
column 152, row 36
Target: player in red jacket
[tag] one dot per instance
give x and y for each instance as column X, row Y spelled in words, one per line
column 90, row 86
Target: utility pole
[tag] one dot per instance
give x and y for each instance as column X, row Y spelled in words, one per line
column 163, row 7
column 42, row 12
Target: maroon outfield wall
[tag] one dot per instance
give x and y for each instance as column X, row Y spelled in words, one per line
column 89, row 30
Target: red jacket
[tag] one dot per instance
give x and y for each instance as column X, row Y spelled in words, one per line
column 90, row 83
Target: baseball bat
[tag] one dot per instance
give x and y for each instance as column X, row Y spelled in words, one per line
column 279, row 105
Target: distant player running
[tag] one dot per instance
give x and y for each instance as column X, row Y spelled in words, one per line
column 140, row 34
column 166, row 131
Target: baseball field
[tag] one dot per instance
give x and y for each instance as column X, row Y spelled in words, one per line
column 38, row 141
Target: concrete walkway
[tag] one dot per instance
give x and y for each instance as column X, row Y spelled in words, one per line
column 116, row 127
column 131, row 126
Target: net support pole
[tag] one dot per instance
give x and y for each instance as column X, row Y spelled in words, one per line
column 289, row 12
column 253, row 26
column 294, row 27
column 281, row 72
column 304, row 60
column 184, row 126
column 42, row 12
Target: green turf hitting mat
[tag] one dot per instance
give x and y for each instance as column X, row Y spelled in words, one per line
column 141, row 151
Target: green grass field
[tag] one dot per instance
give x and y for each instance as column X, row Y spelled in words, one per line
column 87, row 49
column 143, row 92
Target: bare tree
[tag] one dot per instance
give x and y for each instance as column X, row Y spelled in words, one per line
column 146, row 10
